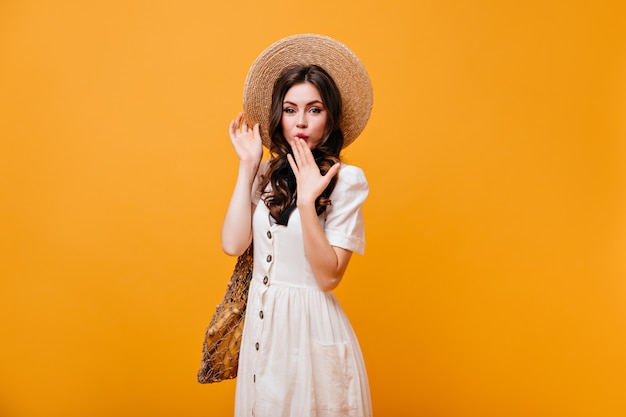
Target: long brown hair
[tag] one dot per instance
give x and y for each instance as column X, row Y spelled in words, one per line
column 326, row 154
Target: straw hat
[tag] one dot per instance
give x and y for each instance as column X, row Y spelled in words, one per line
column 341, row 64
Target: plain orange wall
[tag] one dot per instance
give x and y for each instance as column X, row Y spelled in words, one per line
column 494, row 278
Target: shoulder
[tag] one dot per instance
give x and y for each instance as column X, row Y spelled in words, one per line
column 351, row 175
column 350, row 181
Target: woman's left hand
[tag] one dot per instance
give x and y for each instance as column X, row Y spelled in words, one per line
column 310, row 182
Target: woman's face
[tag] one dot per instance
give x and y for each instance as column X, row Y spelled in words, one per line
column 304, row 115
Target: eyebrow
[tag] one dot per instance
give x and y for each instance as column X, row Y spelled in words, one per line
column 308, row 104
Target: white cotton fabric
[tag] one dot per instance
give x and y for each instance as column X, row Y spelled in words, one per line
column 299, row 354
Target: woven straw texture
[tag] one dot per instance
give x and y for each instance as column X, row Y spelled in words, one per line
column 220, row 351
column 341, row 63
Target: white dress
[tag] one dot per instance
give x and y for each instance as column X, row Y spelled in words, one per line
column 299, row 354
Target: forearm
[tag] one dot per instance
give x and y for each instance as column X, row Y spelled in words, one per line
column 327, row 262
column 237, row 225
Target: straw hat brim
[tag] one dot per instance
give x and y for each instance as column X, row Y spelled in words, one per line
column 342, row 65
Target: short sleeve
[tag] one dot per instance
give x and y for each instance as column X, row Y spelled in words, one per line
column 344, row 226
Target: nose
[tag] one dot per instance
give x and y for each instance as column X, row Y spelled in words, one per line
column 302, row 121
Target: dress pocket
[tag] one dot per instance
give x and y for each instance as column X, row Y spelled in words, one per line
column 334, row 390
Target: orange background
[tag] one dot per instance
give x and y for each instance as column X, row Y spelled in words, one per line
column 494, row 278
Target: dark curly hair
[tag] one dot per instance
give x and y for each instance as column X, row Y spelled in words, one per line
column 279, row 174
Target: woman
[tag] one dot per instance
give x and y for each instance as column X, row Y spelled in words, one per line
column 302, row 210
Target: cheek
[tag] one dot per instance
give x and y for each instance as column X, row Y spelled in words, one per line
column 287, row 122
column 321, row 124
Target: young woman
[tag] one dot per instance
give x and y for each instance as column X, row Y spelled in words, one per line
column 301, row 209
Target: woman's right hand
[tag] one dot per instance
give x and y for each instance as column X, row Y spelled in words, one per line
column 246, row 140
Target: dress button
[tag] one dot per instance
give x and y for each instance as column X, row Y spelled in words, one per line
column 269, row 234
column 257, row 345
column 265, row 280
column 269, row 258
column 261, row 313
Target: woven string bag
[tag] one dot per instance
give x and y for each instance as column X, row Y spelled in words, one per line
column 222, row 340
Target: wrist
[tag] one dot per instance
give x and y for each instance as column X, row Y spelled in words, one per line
column 249, row 165
column 248, row 171
column 304, row 203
